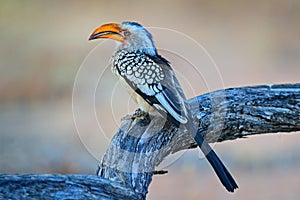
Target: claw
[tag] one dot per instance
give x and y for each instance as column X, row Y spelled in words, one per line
column 160, row 172
column 138, row 115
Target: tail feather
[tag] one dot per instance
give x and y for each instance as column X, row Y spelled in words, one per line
column 220, row 169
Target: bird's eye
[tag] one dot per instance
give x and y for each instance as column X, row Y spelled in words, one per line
column 126, row 33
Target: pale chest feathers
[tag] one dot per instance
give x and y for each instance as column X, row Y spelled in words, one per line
column 145, row 106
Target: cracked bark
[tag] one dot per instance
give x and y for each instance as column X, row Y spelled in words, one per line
column 128, row 165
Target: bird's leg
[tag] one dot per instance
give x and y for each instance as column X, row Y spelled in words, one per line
column 139, row 114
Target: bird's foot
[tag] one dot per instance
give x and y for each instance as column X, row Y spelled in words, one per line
column 138, row 115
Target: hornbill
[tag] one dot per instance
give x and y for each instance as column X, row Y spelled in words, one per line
column 154, row 86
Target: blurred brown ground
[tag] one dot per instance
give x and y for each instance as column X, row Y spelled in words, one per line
column 43, row 43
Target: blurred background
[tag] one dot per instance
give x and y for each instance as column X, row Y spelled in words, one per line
column 44, row 43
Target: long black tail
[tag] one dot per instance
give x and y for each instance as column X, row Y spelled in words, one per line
column 223, row 174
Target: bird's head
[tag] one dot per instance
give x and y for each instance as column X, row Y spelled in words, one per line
column 131, row 35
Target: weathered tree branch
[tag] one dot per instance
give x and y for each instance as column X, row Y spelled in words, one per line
column 139, row 146
column 69, row 186
column 127, row 168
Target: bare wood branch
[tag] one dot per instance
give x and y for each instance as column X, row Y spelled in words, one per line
column 46, row 186
column 127, row 168
column 139, row 146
